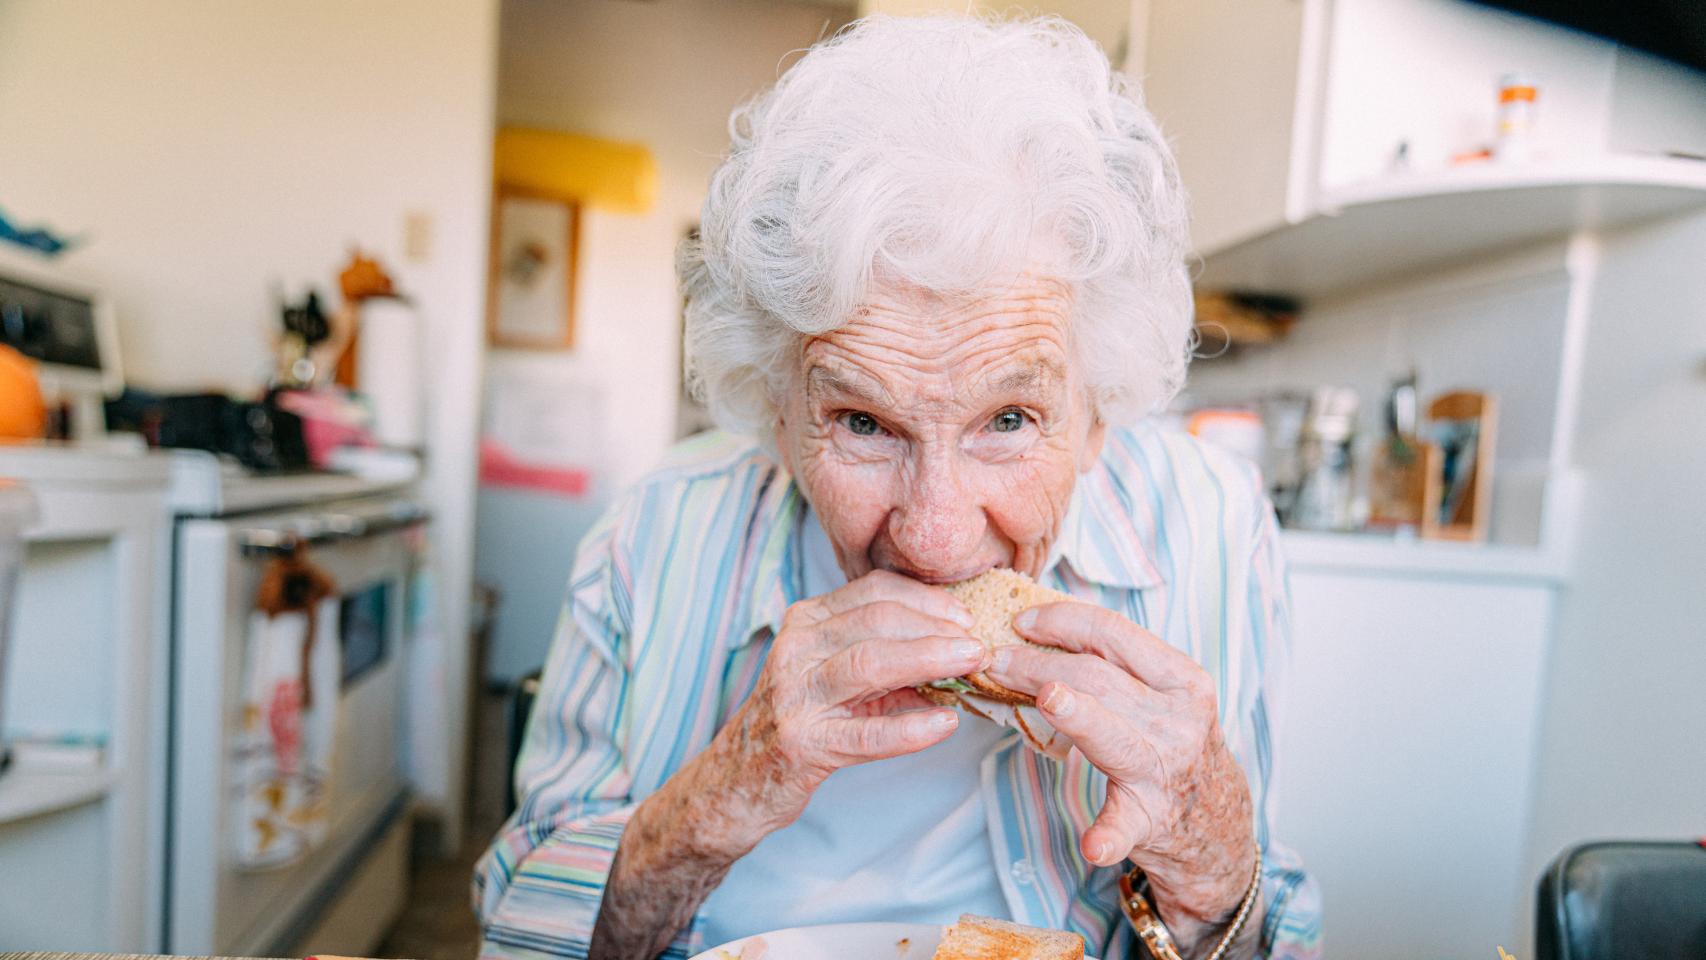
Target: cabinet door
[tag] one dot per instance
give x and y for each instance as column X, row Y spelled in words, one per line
column 1425, row 73
column 1222, row 77
column 1404, row 754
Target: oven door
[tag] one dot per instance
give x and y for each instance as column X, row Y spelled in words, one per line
column 219, row 899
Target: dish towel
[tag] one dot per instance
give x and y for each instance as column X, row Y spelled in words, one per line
column 283, row 753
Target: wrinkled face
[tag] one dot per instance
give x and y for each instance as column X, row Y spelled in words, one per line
column 939, row 438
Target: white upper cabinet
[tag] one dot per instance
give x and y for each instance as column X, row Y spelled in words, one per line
column 1224, row 78
column 1344, row 117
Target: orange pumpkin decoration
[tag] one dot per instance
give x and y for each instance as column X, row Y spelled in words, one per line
column 23, row 415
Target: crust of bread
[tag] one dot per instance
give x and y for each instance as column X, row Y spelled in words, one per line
column 995, row 691
column 981, row 938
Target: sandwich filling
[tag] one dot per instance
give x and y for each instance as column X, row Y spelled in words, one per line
column 994, row 598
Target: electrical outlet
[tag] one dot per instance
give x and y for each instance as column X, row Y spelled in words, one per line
column 417, row 236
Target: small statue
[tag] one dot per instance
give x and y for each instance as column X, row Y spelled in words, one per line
column 305, row 327
column 364, row 278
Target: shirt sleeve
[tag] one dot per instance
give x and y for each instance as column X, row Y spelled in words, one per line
column 1291, row 900
column 537, row 890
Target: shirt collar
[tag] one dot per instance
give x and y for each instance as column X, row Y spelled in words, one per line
column 1106, row 537
column 773, row 539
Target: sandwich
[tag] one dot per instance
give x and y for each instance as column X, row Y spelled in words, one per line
column 980, row 938
column 994, row 598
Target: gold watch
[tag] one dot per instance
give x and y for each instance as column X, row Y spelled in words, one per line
column 1134, row 887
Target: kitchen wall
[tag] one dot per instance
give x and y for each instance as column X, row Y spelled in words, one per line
column 1107, row 22
column 663, row 74
column 209, row 150
column 1622, row 719
column 1498, row 324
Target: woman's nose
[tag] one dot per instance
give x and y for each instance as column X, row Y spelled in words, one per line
column 940, row 524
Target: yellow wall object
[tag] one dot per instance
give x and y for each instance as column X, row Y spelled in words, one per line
column 599, row 173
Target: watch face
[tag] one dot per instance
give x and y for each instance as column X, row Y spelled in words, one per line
column 47, row 326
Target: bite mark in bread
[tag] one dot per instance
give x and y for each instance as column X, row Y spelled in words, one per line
column 994, row 598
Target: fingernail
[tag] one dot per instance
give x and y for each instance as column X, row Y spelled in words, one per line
column 1058, row 701
column 1001, row 660
column 963, row 617
column 968, row 649
column 943, row 719
column 1098, row 851
column 1025, row 620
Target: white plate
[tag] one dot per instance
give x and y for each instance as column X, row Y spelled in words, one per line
column 835, row 941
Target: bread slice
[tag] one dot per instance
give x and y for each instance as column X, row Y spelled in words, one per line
column 995, row 597
column 981, row 938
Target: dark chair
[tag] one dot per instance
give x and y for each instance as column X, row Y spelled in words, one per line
column 521, row 697
column 1624, row 900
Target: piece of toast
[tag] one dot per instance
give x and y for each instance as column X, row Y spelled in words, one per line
column 995, row 597
column 981, row 938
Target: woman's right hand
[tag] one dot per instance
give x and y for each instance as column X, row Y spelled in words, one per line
column 837, row 690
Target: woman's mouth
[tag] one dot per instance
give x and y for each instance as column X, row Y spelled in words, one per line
column 939, row 579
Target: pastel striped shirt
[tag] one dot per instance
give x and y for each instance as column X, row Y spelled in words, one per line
column 678, row 590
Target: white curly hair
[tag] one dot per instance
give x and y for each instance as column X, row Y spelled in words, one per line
column 943, row 153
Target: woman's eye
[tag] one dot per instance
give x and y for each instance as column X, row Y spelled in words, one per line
column 1007, row 421
column 863, row 424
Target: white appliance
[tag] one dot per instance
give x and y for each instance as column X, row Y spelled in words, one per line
column 17, row 510
column 345, row 890
column 69, row 329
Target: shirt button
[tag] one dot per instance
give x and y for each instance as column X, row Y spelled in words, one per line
column 1023, row 872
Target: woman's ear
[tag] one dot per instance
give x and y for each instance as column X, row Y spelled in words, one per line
column 1091, row 451
column 779, row 437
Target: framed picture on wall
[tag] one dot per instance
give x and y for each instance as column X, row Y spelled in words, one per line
column 530, row 289
column 691, row 417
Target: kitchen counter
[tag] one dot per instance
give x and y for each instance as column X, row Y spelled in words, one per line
column 1434, row 559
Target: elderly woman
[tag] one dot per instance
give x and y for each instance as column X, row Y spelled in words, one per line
column 940, row 280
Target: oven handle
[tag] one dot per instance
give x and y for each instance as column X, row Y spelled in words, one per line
column 327, row 528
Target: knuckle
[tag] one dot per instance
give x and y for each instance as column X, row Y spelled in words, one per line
column 1197, row 682
column 1200, row 700
column 781, row 662
column 882, row 613
column 1102, row 679
column 799, row 615
column 888, row 609
column 880, row 583
column 881, row 576
column 864, row 662
column 868, row 738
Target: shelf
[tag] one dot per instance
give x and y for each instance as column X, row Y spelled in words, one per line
column 1376, row 554
column 26, row 792
column 1408, row 224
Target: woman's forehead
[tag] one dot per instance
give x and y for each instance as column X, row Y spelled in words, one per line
column 933, row 326
column 1011, row 339
column 1025, row 372
column 1029, row 367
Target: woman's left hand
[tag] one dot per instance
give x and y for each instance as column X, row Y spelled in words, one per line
column 1145, row 714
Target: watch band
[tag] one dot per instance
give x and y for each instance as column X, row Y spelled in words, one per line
column 1134, row 887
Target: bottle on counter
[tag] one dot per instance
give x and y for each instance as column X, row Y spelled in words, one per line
column 1514, row 142
column 1326, row 498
